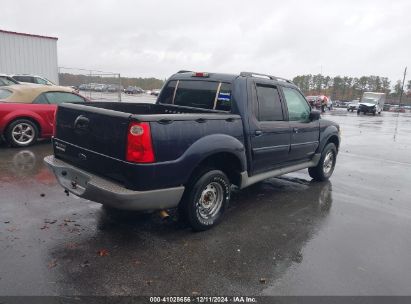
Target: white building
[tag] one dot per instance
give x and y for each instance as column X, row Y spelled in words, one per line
column 28, row 54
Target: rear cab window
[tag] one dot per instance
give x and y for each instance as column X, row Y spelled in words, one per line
column 205, row 94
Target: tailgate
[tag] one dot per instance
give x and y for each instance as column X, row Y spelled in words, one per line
column 95, row 129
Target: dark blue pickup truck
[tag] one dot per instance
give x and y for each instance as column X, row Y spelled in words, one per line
column 206, row 133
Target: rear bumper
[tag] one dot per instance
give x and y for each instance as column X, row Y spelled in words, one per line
column 100, row 190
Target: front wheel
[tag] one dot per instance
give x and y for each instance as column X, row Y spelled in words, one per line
column 326, row 165
column 206, row 199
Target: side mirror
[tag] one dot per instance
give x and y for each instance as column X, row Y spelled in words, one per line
column 315, row 115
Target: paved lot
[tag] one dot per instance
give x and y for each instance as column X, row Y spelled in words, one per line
column 349, row 236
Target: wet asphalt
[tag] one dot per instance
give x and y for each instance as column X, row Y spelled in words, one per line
column 283, row 236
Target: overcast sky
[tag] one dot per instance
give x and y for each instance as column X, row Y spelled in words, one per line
column 283, row 38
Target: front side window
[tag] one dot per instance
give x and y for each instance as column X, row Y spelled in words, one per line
column 40, row 81
column 298, row 109
column 269, row 104
column 60, row 97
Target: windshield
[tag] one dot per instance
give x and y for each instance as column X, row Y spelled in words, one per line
column 369, row 100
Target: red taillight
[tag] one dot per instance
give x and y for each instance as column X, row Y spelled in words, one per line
column 139, row 145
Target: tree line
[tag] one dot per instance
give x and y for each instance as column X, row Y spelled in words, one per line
column 348, row 88
column 67, row 79
column 338, row 87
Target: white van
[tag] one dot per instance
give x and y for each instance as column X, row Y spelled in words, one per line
column 371, row 102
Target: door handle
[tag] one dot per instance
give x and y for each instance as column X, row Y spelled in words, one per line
column 296, row 130
column 258, row 133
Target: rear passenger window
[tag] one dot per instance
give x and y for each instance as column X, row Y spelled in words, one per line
column 198, row 94
column 269, row 104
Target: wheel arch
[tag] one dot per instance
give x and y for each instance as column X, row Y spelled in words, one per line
column 335, row 140
column 329, row 134
column 227, row 162
column 33, row 120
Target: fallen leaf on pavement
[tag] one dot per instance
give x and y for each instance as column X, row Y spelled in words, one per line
column 102, row 252
column 52, row 264
column 85, row 264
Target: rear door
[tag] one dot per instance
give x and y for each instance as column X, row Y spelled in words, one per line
column 304, row 132
column 269, row 130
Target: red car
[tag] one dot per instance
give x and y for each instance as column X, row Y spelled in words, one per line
column 27, row 111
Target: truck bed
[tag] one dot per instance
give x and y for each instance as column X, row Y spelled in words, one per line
column 93, row 136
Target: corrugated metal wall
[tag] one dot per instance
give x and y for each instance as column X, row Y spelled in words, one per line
column 20, row 54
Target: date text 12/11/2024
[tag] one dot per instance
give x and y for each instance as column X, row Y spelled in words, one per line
column 203, row 299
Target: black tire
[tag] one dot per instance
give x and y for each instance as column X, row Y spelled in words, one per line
column 324, row 168
column 27, row 129
column 359, row 112
column 208, row 183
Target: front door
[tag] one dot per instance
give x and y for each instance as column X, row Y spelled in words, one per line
column 305, row 133
column 269, row 131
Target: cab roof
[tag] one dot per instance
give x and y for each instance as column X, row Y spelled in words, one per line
column 184, row 74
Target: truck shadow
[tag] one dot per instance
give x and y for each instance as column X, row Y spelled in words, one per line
column 263, row 234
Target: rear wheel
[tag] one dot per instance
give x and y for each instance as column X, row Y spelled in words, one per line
column 205, row 199
column 326, row 165
column 22, row 133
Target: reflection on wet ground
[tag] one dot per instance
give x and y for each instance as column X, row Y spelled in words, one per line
column 286, row 235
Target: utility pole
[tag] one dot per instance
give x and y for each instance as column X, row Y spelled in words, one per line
column 321, row 75
column 402, row 88
column 399, row 105
column 119, row 87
